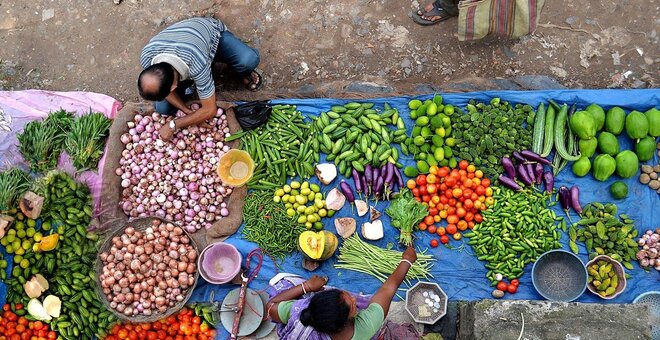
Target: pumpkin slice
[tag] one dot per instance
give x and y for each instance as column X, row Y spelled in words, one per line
column 311, row 244
column 49, row 242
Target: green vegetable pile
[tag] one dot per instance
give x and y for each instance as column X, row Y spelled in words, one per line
column 41, row 142
column 406, row 212
column 515, row 231
column 363, row 257
column 355, row 135
column 489, row 132
column 603, row 233
column 268, row 225
column 69, row 268
column 86, row 140
column 282, row 147
column 430, row 142
column 13, row 184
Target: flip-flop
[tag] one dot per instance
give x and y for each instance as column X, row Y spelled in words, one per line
column 436, row 4
column 432, row 13
column 259, row 83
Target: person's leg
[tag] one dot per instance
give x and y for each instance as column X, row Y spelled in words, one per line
column 450, row 6
column 235, row 53
column 165, row 108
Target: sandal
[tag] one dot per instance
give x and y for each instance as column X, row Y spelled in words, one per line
column 251, row 84
column 425, row 20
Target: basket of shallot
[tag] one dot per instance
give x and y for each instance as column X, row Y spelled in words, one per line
column 147, row 270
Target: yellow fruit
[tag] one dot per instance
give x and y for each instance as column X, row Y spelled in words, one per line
column 49, row 242
column 318, row 246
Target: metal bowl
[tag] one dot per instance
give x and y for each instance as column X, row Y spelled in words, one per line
column 416, row 303
column 653, row 300
column 559, row 275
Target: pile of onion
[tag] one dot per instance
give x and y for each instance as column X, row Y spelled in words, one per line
column 148, row 272
column 649, row 256
column 175, row 180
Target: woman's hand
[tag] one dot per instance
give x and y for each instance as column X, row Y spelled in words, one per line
column 410, row 254
column 315, row 283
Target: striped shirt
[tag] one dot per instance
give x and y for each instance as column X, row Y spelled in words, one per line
column 189, row 46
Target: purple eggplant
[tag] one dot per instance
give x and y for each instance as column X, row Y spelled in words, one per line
column 530, row 172
column 375, row 173
column 575, row 199
column 347, row 191
column 509, row 183
column 564, row 198
column 519, row 158
column 365, row 187
column 509, row 168
column 357, row 181
column 534, row 157
column 549, row 180
column 399, row 178
column 368, row 171
column 389, row 177
column 378, row 186
column 538, row 173
column 523, row 176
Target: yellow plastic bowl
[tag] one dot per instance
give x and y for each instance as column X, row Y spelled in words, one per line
column 235, row 167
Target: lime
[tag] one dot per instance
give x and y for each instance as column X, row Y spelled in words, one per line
column 318, row 195
column 437, row 140
column 295, row 185
column 20, row 216
column 413, row 114
column 10, row 238
column 619, row 190
column 441, row 131
column 21, row 233
column 30, row 232
column 16, row 244
column 4, row 241
column 430, row 160
column 315, row 188
column 323, row 213
column 31, row 223
column 410, row 171
column 309, row 225
column 45, row 226
column 9, row 249
column 277, row 199
column 61, row 230
column 331, row 213
column 3, row 264
column 35, row 247
column 439, row 154
column 18, row 258
column 432, row 109
column 302, row 218
column 19, row 251
column 437, row 99
column 453, row 162
column 27, row 244
column 304, row 185
column 311, row 196
column 24, row 263
column 414, row 104
column 20, row 225
column 11, row 232
column 318, row 225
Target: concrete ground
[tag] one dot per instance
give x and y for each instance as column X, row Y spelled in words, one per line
column 318, row 47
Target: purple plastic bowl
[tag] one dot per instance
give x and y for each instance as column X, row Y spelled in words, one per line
column 220, row 262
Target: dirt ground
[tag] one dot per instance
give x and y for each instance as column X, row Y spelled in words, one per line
column 309, row 46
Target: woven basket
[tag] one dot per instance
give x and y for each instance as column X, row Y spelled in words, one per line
column 141, row 224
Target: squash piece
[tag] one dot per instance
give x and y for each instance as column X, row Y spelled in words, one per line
column 311, row 244
column 49, row 242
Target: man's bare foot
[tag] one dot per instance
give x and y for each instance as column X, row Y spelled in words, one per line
column 253, row 82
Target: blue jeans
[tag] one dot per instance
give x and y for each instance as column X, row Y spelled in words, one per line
column 242, row 58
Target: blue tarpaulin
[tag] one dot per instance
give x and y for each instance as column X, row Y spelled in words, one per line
column 459, row 273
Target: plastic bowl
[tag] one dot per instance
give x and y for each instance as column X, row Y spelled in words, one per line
column 653, row 300
column 559, row 275
column 219, row 262
column 235, row 167
column 618, row 269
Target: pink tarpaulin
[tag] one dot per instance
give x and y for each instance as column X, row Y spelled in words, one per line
column 17, row 108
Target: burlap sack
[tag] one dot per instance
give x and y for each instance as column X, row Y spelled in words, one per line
column 112, row 216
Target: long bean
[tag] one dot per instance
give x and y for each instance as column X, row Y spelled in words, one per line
column 268, row 225
column 360, row 256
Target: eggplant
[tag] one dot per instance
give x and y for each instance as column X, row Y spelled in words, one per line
column 389, row 177
column 575, row 199
column 519, row 158
column 509, row 183
column 564, row 198
column 357, row 181
column 523, row 176
column 549, row 180
column 347, row 191
column 399, row 178
column 534, row 157
column 368, row 172
column 538, row 173
column 378, row 186
column 365, row 187
column 530, row 172
column 375, row 173
column 509, row 168
column 384, row 172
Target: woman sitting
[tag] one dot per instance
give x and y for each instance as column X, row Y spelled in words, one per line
column 332, row 313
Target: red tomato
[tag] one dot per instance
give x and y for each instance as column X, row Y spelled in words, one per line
column 443, row 172
column 479, row 190
column 444, row 239
column 421, row 180
column 515, row 282
column 433, row 211
column 478, row 218
column 423, row 190
column 485, row 182
column 463, row 164
column 450, row 182
column 451, row 228
column 512, row 289
column 431, row 189
column 434, row 243
column 426, row 198
column 432, row 229
column 415, row 192
column 502, row 286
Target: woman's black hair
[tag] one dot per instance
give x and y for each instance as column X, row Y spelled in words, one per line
column 164, row 74
column 327, row 312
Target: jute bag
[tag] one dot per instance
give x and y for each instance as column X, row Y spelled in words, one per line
column 508, row 18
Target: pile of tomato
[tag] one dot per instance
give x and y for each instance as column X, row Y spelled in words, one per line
column 457, row 196
column 16, row 327
column 182, row 326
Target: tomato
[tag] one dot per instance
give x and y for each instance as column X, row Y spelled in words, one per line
column 485, row 182
column 431, row 189
column 422, row 226
column 452, row 219
column 434, row 243
column 426, row 198
column 432, row 229
column 444, row 239
column 122, row 334
column 435, row 199
column 469, row 217
column 462, row 225
column 478, row 174
column 415, row 192
column 433, row 211
column 489, row 201
column 19, row 306
column 443, row 214
column 478, row 218
column 441, row 231
column 423, row 190
column 204, row 327
column 463, row 164
column 451, row 229
column 437, row 218
column 6, row 307
column 502, row 286
column 457, row 236
column 471, row 168
column 470, row 225
column 411, row 184
column 431, row 178
column 443, row 172
column 421, row 180
column 512, row 289
column 515, row 282
column 479, row 190
column 450, row 182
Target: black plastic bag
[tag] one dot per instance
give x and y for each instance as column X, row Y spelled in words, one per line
column 252, row 114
